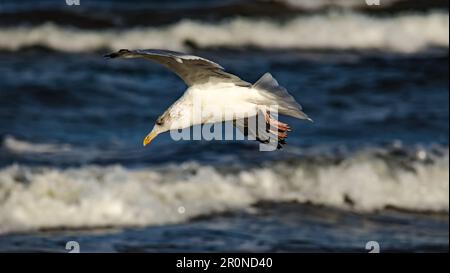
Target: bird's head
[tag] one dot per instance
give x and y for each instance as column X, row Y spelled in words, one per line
column 162, row 125
column 178, row 116
column 175, row 118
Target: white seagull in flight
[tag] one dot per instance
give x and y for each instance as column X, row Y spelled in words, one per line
column 210, row 86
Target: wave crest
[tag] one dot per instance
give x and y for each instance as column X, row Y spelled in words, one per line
column 405, row 33
column 94, row 196
column 17, row 146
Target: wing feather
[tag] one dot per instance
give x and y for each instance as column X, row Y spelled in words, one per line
column 191, row 69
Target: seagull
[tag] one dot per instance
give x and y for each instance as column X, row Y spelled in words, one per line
column 210, row 87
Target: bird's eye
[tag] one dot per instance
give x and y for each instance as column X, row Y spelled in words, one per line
column 159, row 121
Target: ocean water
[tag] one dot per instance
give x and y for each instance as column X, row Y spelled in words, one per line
column 374, row 165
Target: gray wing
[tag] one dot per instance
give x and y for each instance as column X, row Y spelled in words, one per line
column 191, row 69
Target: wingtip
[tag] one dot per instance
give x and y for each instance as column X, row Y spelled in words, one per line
column 119, row 53
column 111, row 55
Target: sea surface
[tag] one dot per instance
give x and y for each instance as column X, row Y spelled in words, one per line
column 374, row 165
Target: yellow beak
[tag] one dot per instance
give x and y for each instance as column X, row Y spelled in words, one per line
column 149, row 138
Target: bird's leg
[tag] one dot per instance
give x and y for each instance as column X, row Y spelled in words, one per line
column 276, row 127
column 278, row 124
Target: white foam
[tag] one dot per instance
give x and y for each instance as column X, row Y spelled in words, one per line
column 94, row 196
column 404, row 33
column 23, row 147
column 348, row 4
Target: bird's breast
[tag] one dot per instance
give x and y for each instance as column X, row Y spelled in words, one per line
column 223, row 102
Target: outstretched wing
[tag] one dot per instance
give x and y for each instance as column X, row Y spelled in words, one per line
column 191, row 69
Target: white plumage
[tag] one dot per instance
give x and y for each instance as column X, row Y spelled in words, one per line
column 214, row 95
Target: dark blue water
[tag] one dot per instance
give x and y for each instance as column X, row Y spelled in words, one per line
column 90, row 103
column 279, row 228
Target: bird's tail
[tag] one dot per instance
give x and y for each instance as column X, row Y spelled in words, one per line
column 279, row 96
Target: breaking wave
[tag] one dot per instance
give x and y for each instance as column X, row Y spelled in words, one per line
column 98, row 196
column 405, row 33
column 17, row 146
